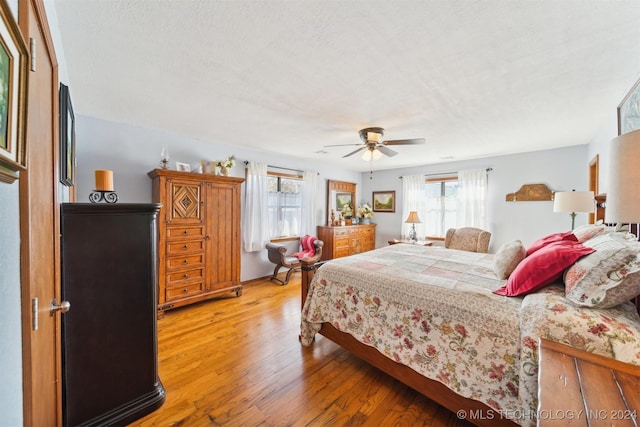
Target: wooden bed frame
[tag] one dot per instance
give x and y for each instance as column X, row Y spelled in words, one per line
column 476, row 412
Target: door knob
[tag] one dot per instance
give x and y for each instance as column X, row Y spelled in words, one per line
column 63, row 307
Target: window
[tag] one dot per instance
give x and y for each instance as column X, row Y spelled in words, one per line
column 284, row 204
column 441, row 213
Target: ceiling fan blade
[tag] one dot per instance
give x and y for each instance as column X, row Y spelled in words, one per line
column 405, row 141
column 386, row 151
column 341, row 145
column 356, row 151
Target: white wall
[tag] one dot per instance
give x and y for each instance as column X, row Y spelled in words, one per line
column 10, row 330
column 132, row 151
column 10, row 315
column 561, row 169
column 599, row 146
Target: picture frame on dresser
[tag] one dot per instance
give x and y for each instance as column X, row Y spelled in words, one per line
column 384, row 201
column 67, row 138
column 13, row 97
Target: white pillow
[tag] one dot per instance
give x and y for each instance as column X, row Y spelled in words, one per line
column 507, row 258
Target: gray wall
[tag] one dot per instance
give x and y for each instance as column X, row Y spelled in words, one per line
column 10, row 315
column 132, row 151
column 10, row 324
column 561, row 169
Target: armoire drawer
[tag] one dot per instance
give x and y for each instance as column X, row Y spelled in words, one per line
column 178, row 233
column 184, row 276
column 185, row 247
column 176, row 292
column 187, row 261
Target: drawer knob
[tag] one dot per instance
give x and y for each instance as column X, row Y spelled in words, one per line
column 185, row 262
column 184, row 291
column 185, row 247
column 186, row 276
column 185, row 232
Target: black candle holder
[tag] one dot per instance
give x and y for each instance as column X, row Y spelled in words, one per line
column 103, row 196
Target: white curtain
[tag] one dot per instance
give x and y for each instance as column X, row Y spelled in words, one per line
column 471, row 210
column 308, row 222
column 413, row 199
column 255, row 224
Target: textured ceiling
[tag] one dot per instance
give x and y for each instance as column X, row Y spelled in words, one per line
column 474, row 78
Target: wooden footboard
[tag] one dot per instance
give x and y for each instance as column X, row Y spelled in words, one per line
column 473, row 410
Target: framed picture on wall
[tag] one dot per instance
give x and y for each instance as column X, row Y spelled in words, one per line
column 67, row 138
column 384, row 201
column 13, row 97
column 629, row 111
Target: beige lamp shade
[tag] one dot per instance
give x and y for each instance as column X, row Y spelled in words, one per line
column 623, row 194
column 573, row 201
column 413, row 218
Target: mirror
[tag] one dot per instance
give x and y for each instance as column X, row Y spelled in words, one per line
column 339, row 193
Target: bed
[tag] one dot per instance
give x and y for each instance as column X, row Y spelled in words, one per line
column 429, row 317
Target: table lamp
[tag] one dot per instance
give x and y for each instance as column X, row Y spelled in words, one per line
column 413, row 219
column 623, row 195
column 573, row 202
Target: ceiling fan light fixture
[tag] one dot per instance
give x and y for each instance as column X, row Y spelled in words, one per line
column 371, row 154
column 371, row 135
column 374, row 136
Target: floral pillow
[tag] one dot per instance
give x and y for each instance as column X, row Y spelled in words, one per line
column 607, row 277
column 588, row 231
column 508, row 257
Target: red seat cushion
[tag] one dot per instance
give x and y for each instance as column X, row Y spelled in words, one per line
column 308, row 248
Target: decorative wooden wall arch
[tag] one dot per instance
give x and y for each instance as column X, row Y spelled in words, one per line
column 531, row 193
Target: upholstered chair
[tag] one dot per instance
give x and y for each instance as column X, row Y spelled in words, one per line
column 278, row 255
column 468, row 239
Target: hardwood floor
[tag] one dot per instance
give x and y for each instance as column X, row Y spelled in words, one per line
column 237, row 362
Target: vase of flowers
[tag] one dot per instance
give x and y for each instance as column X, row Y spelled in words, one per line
column 226, row 165
column 366, row 213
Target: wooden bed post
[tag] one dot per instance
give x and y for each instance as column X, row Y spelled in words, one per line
column 308, row 267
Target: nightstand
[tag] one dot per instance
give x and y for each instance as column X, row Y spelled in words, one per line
column 419, row 242
column 583, row 388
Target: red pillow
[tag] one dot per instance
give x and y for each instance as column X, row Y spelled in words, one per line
column 542, row 268
column 544, row 241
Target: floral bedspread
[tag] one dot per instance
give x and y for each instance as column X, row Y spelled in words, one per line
column 432, row 309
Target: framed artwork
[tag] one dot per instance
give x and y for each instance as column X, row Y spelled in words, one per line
column 384, row 201
column 183, row 167
column 629, row 111
column 208, row 166
column 343, row 199
column 67, row 138
column 13, row 97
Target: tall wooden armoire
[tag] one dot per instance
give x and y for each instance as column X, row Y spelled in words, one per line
column 199, row 236
column 109, row 334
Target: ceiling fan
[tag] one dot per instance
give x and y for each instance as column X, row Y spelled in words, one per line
column 375, row 146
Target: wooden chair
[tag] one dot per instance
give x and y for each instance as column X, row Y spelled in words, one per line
column 470, row 239
column 278, row 255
